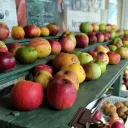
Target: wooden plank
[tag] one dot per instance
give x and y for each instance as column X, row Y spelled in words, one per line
column 46, row 117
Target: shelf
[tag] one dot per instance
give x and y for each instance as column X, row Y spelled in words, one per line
column 10, row 40
column 46, row 117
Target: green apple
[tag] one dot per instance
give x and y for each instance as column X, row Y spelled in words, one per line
column 112, row 48
column 26, row 55
column 76, row 53
column 102, row 66
column 85, row 58
column 102, row 27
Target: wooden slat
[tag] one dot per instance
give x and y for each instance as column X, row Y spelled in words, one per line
column 46, row 117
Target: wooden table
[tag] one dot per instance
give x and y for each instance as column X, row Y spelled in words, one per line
column 46, row 117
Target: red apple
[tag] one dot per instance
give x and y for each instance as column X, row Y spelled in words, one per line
column 53, row 28
column 100, row 37
column 82, row 40
column 102, row 48
column 42, row 67
column 61, row 93
column 4, row 31
column 31, row 31
column 100, row 56
column 106, row 36
column 12, row 47
column 55, row 46
column 92, row 38
column 95, row 27
column 126, row 83
column 7, row 61
column 67, row 45
column 27, row 95
column 114, row 58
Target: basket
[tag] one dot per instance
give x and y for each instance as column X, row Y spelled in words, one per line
column 124, row 93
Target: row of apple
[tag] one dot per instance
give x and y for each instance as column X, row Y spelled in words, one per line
column 29, row 31
column 70, row 70
column 39, row 48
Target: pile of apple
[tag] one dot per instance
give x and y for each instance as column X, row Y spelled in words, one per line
column 60, row 82
column 124, row 85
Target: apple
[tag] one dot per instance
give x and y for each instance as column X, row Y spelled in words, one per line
column 85, row 58
column 125, row 32
column 7, row 61
column 114, row 58
column 67, row 45
column 102, row 66
column 17, row 32
column 112, row 47
column 53, row 28
column 12, row 47
column 76, row 53
column 61, row 93
column 31, row 31
column 99, row 56
column 3, row 47
column 123, row 87
column 85, row 27
column 126, row 72
column 126, row 83
column 4, row 31
column 82, row 40
column 92, row 38
column 117, row 42
column 42, row 67
column 27, row 95
column 92, row 70
column 123, row 52
column 108, row 28
column 102, row 27
column 70, row 75
column 100, row 37
column 102, row 48
column 114, row 27
column 122, row 32
column 112, row 34
column 26, row 55
column 95, row 27
column 106, row 36
column 55, row 46
column 66, row 33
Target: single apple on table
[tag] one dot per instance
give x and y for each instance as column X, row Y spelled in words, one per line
column 86, row 27
column 92, row 70
column 55, row 46
column 31, row 31
column 17, row 32
column 3, row 47
column 53, row 28
column 92, row 38
column 4, row 31
column 12, row 47
column 112, row 48
column 76, row 53
column 102, row 66
column 42, row 67
column 67, row 45
column 100, row 37
column 102, row 27
column 114, row 58
column 112, row 34
column 102, row 48
column 26, row 55
column 82, row 40
column 7, row 61
column 95, row 27
column 58, row 96
column 117, row 42
column 85, row 58
column 106, row 36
